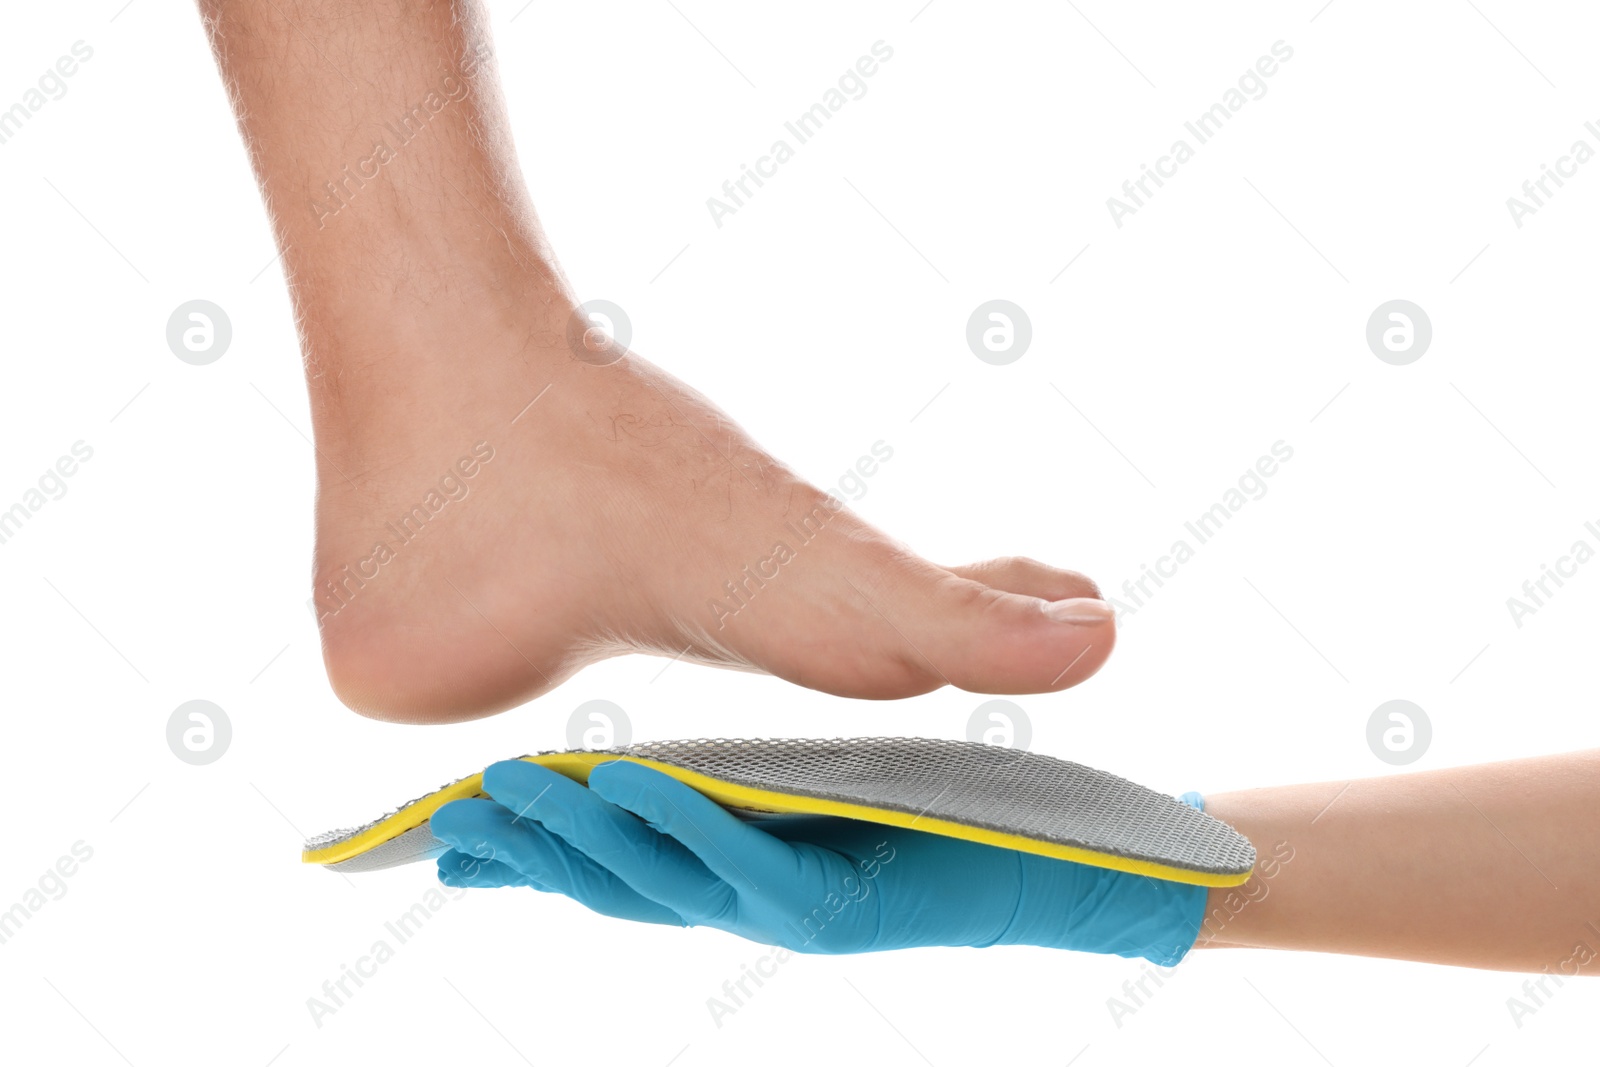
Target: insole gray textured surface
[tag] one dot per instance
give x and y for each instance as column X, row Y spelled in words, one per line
column 1006, row 790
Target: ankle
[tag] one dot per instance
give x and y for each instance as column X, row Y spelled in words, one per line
column 424, row 280
column 444, row 339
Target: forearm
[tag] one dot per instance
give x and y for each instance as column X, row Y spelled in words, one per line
column 1496, row 865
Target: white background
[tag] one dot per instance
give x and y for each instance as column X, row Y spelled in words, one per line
column 1226, row 315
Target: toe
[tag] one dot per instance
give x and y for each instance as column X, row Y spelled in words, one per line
column 913, row 627
column 1028, row 577
column 990, row 640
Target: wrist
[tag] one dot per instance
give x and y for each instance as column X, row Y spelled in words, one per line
column 1092, row 909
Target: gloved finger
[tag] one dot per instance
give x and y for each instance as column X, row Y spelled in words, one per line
column 654, row 865
column 741, row 854
column 466, row 871
column 490, row 847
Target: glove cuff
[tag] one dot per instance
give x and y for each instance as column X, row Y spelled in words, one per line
column 1091, row 909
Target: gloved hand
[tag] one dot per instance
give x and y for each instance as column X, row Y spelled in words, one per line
column 638, row 844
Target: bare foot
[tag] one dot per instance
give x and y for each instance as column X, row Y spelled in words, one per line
column 498, row 505
column 491, row 521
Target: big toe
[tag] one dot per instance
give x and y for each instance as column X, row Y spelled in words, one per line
column 1015, row 637
column 1028, row 628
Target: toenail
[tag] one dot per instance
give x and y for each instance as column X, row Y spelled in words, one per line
column 1080, row 611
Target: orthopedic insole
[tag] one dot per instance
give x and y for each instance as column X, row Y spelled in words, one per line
column 964, row 789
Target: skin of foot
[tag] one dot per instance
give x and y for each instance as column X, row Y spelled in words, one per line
column 610, row 509
column 505, row 495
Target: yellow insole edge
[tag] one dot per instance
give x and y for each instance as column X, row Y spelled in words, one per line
column 577, row 765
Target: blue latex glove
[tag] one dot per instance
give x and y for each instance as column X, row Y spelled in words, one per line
column 638, row 844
